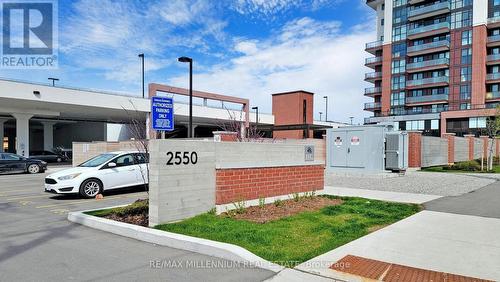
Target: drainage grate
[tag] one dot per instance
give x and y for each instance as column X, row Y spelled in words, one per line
column 389, row 272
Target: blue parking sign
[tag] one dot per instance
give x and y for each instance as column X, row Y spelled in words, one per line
column 162, row 112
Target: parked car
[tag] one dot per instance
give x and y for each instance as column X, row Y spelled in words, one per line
column 104, row 172
column 12, row 163
column 48, row 156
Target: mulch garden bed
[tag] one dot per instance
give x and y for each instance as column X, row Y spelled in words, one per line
column 281, row 209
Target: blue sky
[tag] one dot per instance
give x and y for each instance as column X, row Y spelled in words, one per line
column 246, row 48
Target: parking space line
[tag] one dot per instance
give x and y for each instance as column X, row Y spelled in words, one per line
column 10, row 191
column 83, row 201
column 27, row 197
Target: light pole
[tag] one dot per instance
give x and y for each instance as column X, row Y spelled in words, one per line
column 320, row 113
column 53, row 80
column 351, row 119
column 256, row 117
column 142, row 59
column 190, row 61
column 326, row 107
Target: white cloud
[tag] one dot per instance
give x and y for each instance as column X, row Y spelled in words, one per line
column 325, row 62
column 270, row 8
column 107, row 35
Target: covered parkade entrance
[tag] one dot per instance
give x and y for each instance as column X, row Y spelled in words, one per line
column 41, row 117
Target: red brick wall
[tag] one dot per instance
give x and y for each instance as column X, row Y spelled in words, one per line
column 414, row 149
column 288, row 109
column 479, row 39
column 237, row 184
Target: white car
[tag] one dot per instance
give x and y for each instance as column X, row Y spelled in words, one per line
column 106, row 171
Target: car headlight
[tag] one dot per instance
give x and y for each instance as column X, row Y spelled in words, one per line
column 68, row 177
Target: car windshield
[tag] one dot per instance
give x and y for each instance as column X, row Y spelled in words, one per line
column 98, row 160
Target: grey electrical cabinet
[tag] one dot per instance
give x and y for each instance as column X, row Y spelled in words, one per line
column 371, row 148
column 396, row 151
column 356, row 148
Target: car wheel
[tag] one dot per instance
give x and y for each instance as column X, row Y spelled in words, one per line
column 33, row 169
column 90, row 188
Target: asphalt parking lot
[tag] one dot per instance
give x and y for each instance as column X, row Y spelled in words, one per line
column 37, row 243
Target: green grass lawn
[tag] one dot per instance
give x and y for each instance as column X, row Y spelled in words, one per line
column 473, row 166
column 295, row 239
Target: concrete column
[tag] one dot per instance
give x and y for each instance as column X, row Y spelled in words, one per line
column 470, row 138
column 48, row 135
column 22, row 134
column 2, row 121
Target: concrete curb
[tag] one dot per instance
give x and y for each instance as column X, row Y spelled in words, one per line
column 173, row 240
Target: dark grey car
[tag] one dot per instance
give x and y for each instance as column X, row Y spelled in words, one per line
column 48, row 156
column 12, row 163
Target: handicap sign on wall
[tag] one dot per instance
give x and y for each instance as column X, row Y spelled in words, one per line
column 162, row 113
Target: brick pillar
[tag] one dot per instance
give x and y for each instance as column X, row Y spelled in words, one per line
column 485, row 145
column 451, row 146
column 385, row 99
column 225, row 136
column 414, row 149
column 470, row 138
column 479, row 38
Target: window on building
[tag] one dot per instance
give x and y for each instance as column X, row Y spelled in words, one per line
column 461, row 19
column 465, row 74
column 477, row 122
column 399, row 33
column 496, row 2
column 466, row 37
column 398, row 99
column 456, row 4
column 415, row 125
column 382, row 22
column 465, row 106
column 435, row 124
column 466, row 56
column 464, row 92
column 398, row 66
column 398, row 82
column 397, row 3
column 398, row 50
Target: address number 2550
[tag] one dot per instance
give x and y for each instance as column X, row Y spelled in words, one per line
column 182, row 158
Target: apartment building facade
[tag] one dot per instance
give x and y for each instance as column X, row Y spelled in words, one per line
column 435, row 65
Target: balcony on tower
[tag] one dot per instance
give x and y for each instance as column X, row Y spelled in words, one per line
column 428, row 65
column 372, row 76
column 427, row 82
column 426, row 11
column 373, row 91
column 374, row 106
column 426, row 48
column 373, row 47
column 428, row 30
column 426, row 99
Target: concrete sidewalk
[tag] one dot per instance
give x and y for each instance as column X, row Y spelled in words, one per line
column 483, row 202
column 412, row 198
column 451, row 243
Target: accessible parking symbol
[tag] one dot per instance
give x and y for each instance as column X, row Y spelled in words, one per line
column 29, row 34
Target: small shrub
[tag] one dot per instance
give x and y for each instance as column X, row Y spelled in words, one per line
column 296, row 197
column 239, row 207
column 262, row 202
column 212, row 211
column 467, row 166
column 278, row 203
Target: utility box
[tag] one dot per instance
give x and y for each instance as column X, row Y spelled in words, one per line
column 373, row 149
column 396, row 151
column 356, row 148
